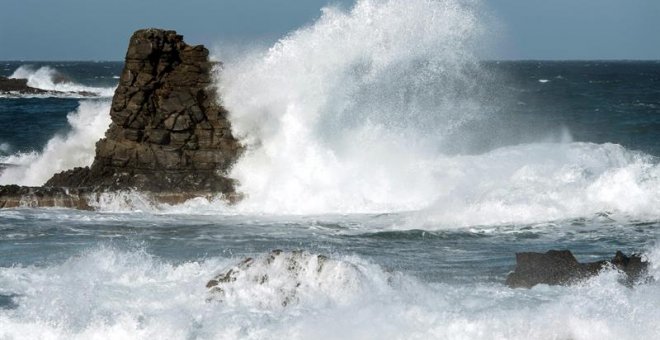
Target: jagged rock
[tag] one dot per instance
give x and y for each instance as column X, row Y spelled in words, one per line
column 560, row 267
column 168, row 133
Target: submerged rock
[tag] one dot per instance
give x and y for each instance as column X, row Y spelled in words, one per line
column 560, row 267
column 279, row 279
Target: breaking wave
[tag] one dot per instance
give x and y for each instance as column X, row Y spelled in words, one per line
column 112, row 293
column 62, row 152
column 357, row 113
column 49, row 79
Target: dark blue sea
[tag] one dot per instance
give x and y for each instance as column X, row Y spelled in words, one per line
column 419, row 176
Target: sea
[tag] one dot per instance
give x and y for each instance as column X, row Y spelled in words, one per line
column 377, row 138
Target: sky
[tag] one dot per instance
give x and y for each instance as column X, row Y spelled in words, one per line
column 524, row 29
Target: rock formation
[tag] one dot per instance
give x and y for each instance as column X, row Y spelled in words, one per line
column 282, row 275
column 560, row 267
column 169, row 136
column 11, row 86
column 168, row 132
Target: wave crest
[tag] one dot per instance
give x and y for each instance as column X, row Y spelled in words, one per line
column 49, row 79
column 63, row 152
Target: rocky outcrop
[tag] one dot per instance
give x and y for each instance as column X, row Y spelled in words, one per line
column 11, row 86
column 168, row 132
column 560, row 267
column 169, row 137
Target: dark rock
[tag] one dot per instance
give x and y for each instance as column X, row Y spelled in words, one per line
column 560, row 267
column 165, row 119
column 10, row 86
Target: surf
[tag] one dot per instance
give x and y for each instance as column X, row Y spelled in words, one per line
column 50, row 79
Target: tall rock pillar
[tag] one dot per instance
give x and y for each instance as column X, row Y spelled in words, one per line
column 168, row 132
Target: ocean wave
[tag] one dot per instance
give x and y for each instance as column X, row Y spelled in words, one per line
column 329, row 131
column 356, row 125
column 62, row 152
column 111, row 293
column 49, row 79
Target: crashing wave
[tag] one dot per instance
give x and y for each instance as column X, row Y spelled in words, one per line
column 281, row 279
column 48, row 82
column 62, row 152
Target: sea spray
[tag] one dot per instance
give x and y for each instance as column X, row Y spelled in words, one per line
column 343, row 116
column 62, row 152
column 129, row 293
column 354, row 113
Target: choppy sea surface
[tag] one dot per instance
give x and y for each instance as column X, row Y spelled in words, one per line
column 417, row 169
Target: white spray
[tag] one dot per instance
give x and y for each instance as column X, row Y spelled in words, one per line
column 332, row 114
column 348, row 116
column 47, row 78
column 76, row 148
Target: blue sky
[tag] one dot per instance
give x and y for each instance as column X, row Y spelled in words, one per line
column 526, row 29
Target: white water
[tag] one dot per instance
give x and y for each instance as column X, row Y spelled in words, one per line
column 63, row 152
column 342, row 116
column 49, row 79
column 346, row 116
column 106, row 293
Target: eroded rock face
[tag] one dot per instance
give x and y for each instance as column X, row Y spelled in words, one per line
column 168, row 132
column 560, row 267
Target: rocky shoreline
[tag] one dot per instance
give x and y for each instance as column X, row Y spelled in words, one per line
column 169, row 137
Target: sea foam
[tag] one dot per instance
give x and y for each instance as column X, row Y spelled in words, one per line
column 106, row 292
